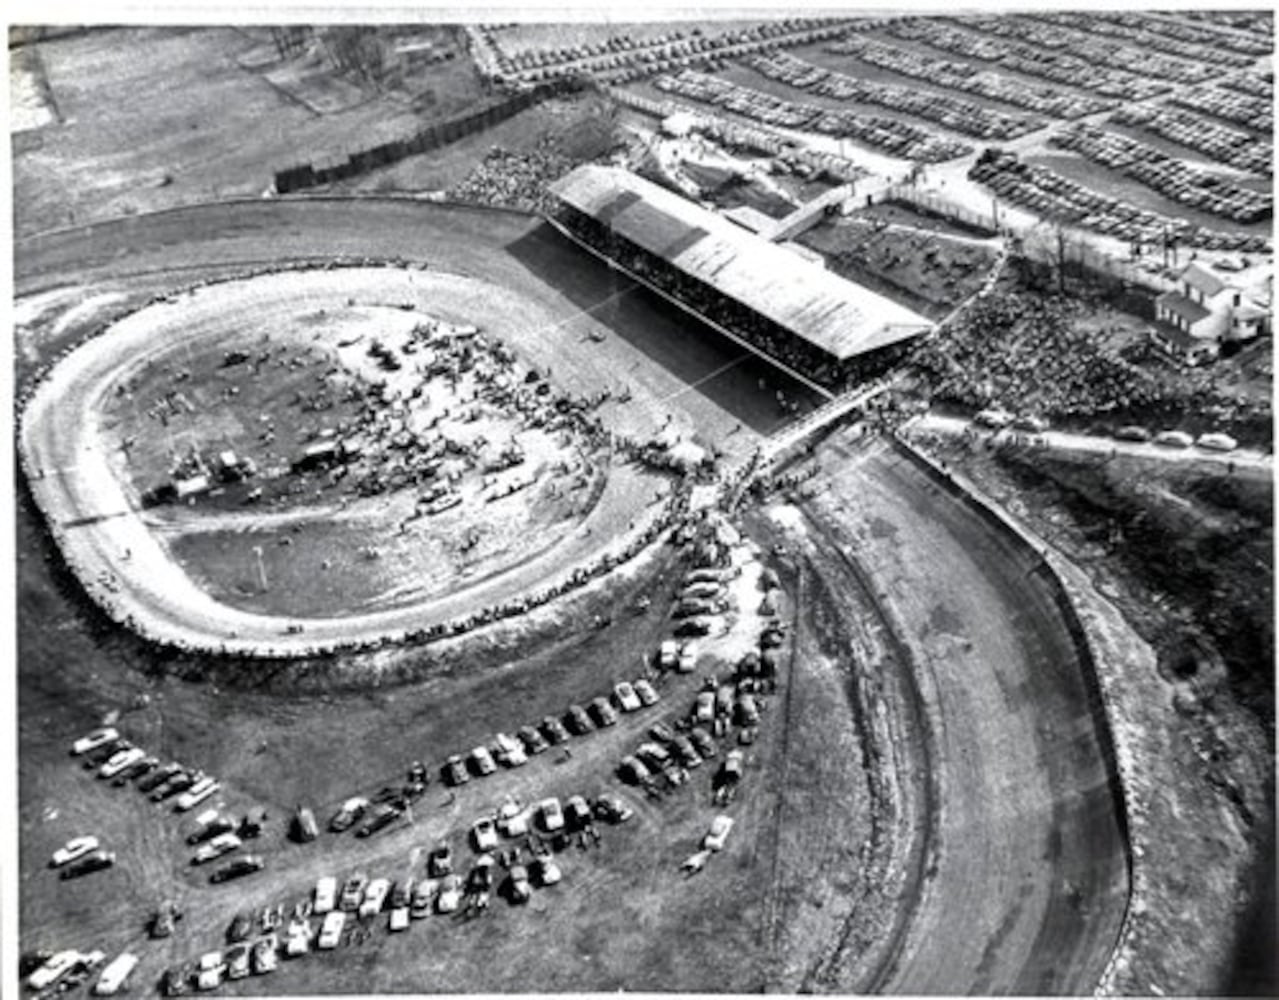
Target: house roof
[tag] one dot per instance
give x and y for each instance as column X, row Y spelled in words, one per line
column 1188, row 309
column 834, row 314
column 1202, row 280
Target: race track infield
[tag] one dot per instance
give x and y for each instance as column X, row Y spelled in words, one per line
column 1028, row 882
column 562, row 312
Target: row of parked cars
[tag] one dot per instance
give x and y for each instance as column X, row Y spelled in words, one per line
column 1254, row 111
column 58, row 972
column 996, row 418
column 1166, row 35
column 1049, row 194
column 1205, row 190
column 893, row 135
column 954, row 113
column 1222, row 143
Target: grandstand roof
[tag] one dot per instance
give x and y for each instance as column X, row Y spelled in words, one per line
column 839, row 316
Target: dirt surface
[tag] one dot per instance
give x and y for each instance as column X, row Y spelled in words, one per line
column 1026, row 843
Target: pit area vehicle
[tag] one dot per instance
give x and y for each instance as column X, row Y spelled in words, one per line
column 402, row 892
column 423, row 897
column 613, row 808
column 72, row 850
column 96, row 861
column 1032, row 424
column 721, row 827
column 484, row 834
column 577, row 721
column 687, row 658
column 331, row 930
column 93, row 740
column 455, row 772
column 177, row 980
column 440, row 861
column 550, row 815
column 704, row 709
column 353, row 892
column 480, row 878
column 400, row 918
column 684, row 747
column 238, row 868
column 298, row 940
column 603, row 712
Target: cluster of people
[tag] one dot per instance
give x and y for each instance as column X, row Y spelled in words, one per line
column 1205, row 190
column 893, row 135
column 1224, row 144
column 1050, row 194
column 955, row 113
column 515, row 180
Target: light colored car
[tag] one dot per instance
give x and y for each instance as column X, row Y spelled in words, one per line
column 509, row 750
column 326, row 890
column 550, row 815
column 687, row 657
column 78, row 847
column 1133, row 432
column 705, row 709
column 613, row 808
column 721, row 827
column 266, row 955
column 695, row 862
column 1216, row 441
column 424, row 898
column 117, row 762
column 484, row 834
column 374, row 897
column 626, row 698
column 115, row 974
column 53, row 970
column 331, row 930
column 400, row 918
column 222, row 844
column 1174, row 439
column 512, row 819
column 483, row 761
column 93, row 740
column 647, row 693
column 545, row 870
column 450, row 897
column 521, row 889
column 668, row 653
column 196, row 794
column 993, row 417
column 297, row 944
column 209, row 971
column 237, row 961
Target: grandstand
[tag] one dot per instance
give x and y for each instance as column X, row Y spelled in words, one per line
column 819, row 327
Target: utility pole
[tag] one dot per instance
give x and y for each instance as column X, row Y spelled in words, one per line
column 257, row 551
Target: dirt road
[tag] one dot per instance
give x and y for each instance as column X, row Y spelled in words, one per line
column 1028, row 882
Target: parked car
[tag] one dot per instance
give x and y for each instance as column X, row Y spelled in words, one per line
column 240, row 929
column 115, row 974
column 509, row 751
column 266, row 954
column 177, row 980
column 484, row 834
column 180, row 782
column 73, row 849
column 721, row 826
column 482, row 761
column 134, row 771
column 95, row 739
column 1174, row 439
column 440, row 861
column 667, row 654
column 238, row 868
column 994, row 418
column 400, row 918
column 222, row 844
column 455, row 772
column 353, row 892
column 159, row 777
column 646, row 692
column 1216, row 441
column 553, row 729
column 632, row 770
column 626, row 698
column 210, row 824
column 687, row 658
column 704, row 708
column 298, row 940
column 533, row 741
column 661, row 732
column 747, row 710
column 331, row 930
column 520, row 889
column 162, row 922
column 304, row 826
column 237, row 961
column 603, row 712
column 196, row 794
column 654, row 755
column 701, row 625
column 1133, row 433
column 402, row 892
column 1035, row 425
column 688, row 756
column 703, row 741
column 382, row 817
column 545, row 871
column 209, row 971
column 423, row 898
column 577, row 813
column 480, row 878
column 550, row 815
column 53, row 970
column 121, row 759
column 351, row 810
column 578, row 721
column 613, row 808
column 93, row 862
column 450, row 897
column 374, row 897
column 326, row 887
column 512, row 819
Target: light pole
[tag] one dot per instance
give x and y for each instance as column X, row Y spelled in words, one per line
column 257, row 551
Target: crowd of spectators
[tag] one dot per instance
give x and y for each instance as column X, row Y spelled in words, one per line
column 1029, row 60
column 896, row 137
column 515, row 180
column 954, row 113
column 1205, row 190
column 1230, row 105
column 1049, row 194
column 1157, row 34
column 965, row 77
column 1230, row 146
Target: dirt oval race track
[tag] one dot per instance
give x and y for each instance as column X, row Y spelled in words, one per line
column 1027, row 883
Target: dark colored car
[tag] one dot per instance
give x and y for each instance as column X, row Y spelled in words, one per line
column 533, row 741
column 241, row 928
column 553, row 729
column 101, row 754
column 177, row 980
column 383, row 816
column 180, row 782
column 89, row 863
column 703, row 741
column 238, row 868
column 455, row 772
column 440, row 861
column 481, row 876
column 603, row 712
column 219, row 826
column 163, row 920
column 344, row 818
column 687, row 754
column 577, row 721
column 157, row 778
column 136, row 770
column 661, row 732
